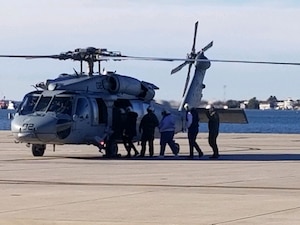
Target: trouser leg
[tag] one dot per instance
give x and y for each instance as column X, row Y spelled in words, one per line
column 126, row 145
column 163, row 142
column 191, row 144
column 171, row 142
column 143, row 150
column 151, row 147
column 162, row 149
column 131, row 146
column 213, row 143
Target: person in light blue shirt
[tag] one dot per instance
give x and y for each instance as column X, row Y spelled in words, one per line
column 167, row 130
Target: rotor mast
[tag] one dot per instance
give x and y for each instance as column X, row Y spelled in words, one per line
column 90, row 55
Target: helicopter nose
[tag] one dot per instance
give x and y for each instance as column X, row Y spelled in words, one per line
column 34, row 128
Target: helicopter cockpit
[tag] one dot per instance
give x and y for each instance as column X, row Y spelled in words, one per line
column 35, row 102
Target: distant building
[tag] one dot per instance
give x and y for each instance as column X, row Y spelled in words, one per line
column 244, row 104
column 264, row 105
column 285, row 104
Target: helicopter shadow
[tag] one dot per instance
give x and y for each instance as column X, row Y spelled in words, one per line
column 225, row 157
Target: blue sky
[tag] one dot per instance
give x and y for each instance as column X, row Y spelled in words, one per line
column 241, row 30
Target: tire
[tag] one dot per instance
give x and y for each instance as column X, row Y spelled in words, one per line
column 38, row 150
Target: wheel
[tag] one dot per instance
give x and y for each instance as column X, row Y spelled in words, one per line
column 38, row 150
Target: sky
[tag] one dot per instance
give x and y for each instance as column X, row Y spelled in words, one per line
column 241, row 30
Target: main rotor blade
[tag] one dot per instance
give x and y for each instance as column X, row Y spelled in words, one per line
column 164, row 59
column 195, row 36
column 176, row 69
column 32, row 56
column 187, row 60
column 25, row 56
column 251, row 62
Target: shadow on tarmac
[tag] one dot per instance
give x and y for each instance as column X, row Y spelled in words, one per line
column 225, row 157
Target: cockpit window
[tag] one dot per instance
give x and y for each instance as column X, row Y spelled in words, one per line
column 58, row 104
column 43, row 103
column 27, row 106
column 61, row 105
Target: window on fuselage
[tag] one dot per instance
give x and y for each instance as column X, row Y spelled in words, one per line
column 102, row 111
column 82, row 109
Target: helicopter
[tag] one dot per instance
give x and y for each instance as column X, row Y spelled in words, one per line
column 84, row 108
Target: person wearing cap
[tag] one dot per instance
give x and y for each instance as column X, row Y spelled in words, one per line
column 213, row 131
column 167, row 130
column 130, row 131
column 147, row 128
column 192, row 124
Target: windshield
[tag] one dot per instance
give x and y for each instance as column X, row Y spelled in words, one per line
column 34, row 103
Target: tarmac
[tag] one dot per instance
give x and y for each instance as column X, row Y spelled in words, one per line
column 255, row 181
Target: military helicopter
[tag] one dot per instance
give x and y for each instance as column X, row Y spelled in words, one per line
column 84, row 108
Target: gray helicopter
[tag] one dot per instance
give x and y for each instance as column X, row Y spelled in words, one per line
column 85, row 108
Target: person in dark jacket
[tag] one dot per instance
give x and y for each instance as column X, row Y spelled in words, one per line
column 213, row 131
column 147, row 128
column 130, row 131
column 192, row 124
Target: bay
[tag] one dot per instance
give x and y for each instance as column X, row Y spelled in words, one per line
column 260, row 121
column 264, row 121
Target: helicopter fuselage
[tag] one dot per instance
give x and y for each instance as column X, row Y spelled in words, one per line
column 70, row 114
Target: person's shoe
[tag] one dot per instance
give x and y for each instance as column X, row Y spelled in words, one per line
column 214, row 157
column 161, row 156
column 200, row 154
column 136, row 154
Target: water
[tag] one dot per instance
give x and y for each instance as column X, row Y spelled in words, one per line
column 267, row 121
column 264, row 121
column 4, row 120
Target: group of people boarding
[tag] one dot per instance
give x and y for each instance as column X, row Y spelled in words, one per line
column 167, row 130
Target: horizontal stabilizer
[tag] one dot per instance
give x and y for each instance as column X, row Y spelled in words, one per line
column 225, row 115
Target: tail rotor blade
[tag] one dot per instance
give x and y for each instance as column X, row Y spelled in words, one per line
column 195, row 35
column 207, row 46
column 179, row 67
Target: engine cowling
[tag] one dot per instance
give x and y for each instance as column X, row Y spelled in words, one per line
column 131, row 86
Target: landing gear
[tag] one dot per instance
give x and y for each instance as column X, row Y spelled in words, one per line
column 38, row 149
column 111, row 149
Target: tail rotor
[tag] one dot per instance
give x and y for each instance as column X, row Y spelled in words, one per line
column 190, row 57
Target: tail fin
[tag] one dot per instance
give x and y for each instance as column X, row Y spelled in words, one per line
column 192, row 92
column 193, row 95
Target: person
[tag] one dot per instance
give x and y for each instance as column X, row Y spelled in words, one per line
column 192, row 124
column 213, row 131
column 147, row 128
column 119, row 117
column 130, row 131
column 167, row 130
